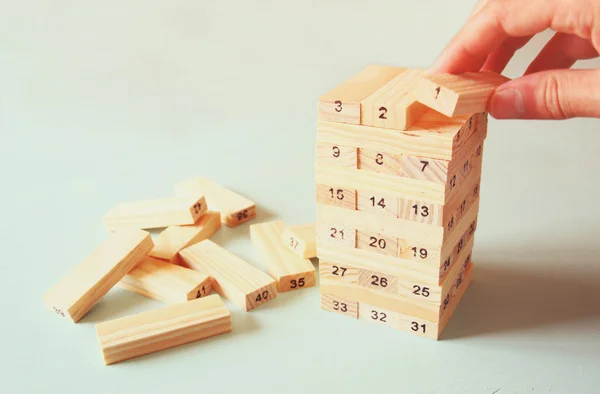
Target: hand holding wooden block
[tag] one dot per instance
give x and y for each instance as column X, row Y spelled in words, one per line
column 89, row 281
column 157, row 213
column 166, row 282
column 160, row 329
column 233, row 278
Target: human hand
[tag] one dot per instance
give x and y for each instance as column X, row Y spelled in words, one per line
column 548, row 89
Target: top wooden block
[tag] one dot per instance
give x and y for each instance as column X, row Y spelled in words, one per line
column 343, row 103
column 455, row 95
column 397, row 98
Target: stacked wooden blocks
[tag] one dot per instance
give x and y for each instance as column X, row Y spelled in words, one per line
column 398, row 171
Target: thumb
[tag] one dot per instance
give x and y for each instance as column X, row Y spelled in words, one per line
column 555, row 94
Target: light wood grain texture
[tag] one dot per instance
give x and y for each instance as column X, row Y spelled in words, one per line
column 425, row 169
column 330, row 234
column 78, row 291
column 341, row 272
column 337, row 155
column 433, row 138
column 377, row 203
column 235, row 209
column 233, row 278
column 290, row 271
column 335, row 195
column 401, row 268
column 343, row 103
column 378, row 161
column 398, row 228
column 174, row 238
column 392, row 302
column 459, row 251
column 387, row 106
column 456, row 95
column 301, row 239
column 161, row 329
column 166, row 282
column 381, row 184
column 365, row 275
column 378, row 315
column 162, row 212
column 420, row 211
column 335, row 304
column 403, row 322
column 377, row 243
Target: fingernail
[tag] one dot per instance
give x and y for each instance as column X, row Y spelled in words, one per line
column 507, row 103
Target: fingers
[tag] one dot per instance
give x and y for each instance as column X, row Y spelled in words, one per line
column 489, row 28
column 498, row 59
column 562, row 51
column 559, row 94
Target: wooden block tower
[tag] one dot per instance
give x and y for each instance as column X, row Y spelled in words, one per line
column 398, row 170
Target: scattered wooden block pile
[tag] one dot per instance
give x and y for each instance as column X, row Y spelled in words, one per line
column 183, row 268
column 398, row 174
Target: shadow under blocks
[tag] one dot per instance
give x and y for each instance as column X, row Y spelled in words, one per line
column 520, row 294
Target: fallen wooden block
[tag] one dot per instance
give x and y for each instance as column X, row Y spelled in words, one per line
column 77, row 292
column 174, row 238
column 233, row 278
column 289, row 270
column 166, row 282
column 160, row 329
column 302, row 240
column 234, row 208
column 157, row 213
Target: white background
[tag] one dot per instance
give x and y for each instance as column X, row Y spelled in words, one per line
column 113, row 101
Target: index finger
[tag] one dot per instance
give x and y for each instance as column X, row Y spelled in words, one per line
column 493, row 24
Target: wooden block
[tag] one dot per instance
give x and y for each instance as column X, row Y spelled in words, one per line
column 329, row 234
column 343, row 103
column 339, row 305
column 347, row 259
column 456, row 95
column 382, row 162
column 234, row 208
column 337, row 155
column 377, row 314
column 398, row 228
column 166, row 282
column 389, row 282
column 381, row 184
column 419, row 251
column 289, row 270
column 160, row 329
column 302, row 240
column 344, row 273
column 425, row 169
column 387, row 301
column 341, row 197
column 149, row 214
column 377, row 243
column 431, row 137
column 76, row 293
column 377, row 203
column 174, row 238
column 233, row 278
column 387, row 106
column 420, row 211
